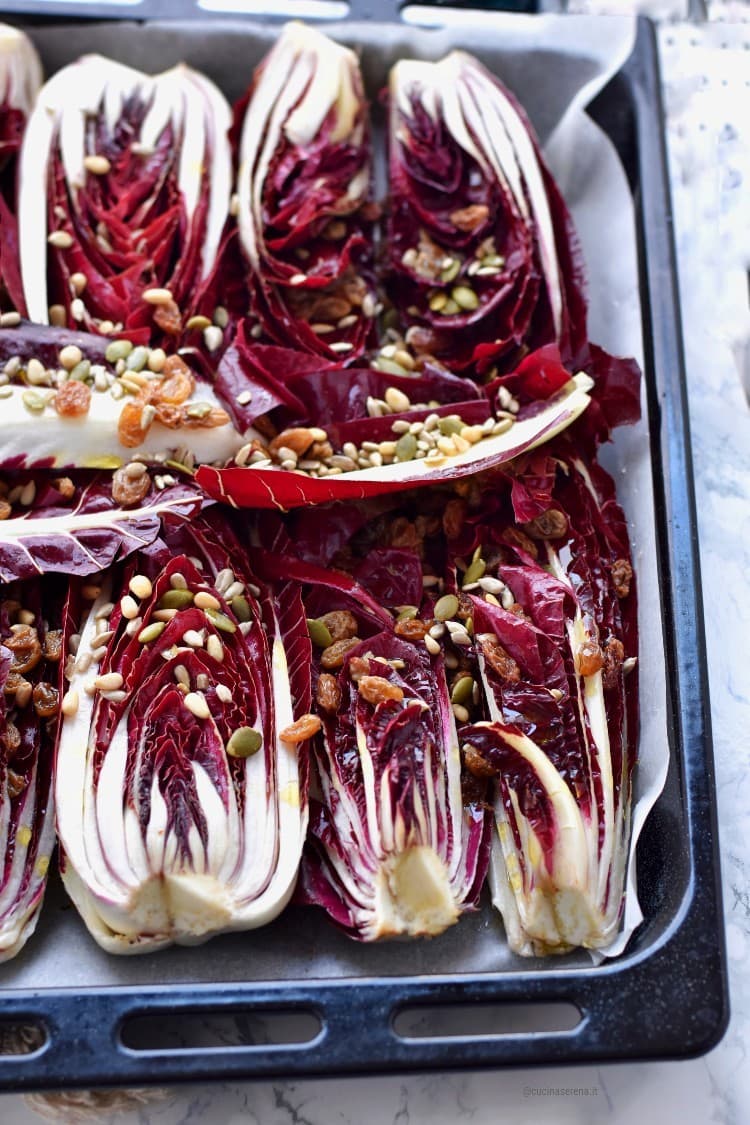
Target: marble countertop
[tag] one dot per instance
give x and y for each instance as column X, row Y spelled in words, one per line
column 706, row 72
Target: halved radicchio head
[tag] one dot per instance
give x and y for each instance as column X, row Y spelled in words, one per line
column 76, row 400
column 20, row 79
column 393, row 847
column 305, row 197
column 181, row 785
column 124, row 187
column 32, row 648
column 484, row 261
column 557, row 646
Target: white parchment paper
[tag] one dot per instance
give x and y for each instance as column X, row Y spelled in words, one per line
column 555, row 65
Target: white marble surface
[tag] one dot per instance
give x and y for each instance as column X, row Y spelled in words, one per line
column 707, row 84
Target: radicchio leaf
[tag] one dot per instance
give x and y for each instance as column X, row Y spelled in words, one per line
column 125, row 180
column 181, row 811
column 20, row 79
column 31, row 678
column 76, row 527
column 305, row 197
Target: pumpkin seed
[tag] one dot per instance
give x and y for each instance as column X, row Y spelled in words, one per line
column 446, row 607
column 175, row 599
column 475, row 572
column 118, row 349
column 241, row 608
column 223, row 623
column 151, row 632
column 406, row 447
column 407, row 613
column 450, row 424
column 245, row 742
column 319, row 632
column 465, row 298
column 462, row 690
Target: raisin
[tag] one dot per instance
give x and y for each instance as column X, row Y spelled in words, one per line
column 131, row 431
column 178, row 383
column 359, row 666
column 500, row 661
column 73, row 399
column 614, row 655
column 552, row 524
column 403, row 533
column 208, row 421
column 5, row 510
column 53, row 645
column 477, row 764
column 169, row 415
column 454, row 516
column 376, row 689
column 622, row 576
column 468, row 218
column 328, row 693
column 341, row 624
column 514, row 537
column 412, row 629
column 16, row 784
column 589, row 658
column 46, row 699
column 333, row 656
column 167, row 317
column 305, row 727
column 11, row 738
column 128, row 490
column 25, row 647
column 65, row 487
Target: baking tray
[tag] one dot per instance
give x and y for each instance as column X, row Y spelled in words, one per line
column 327, row 1005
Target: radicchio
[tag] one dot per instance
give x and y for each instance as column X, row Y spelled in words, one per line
column 393, row 847
column 181, row 808
column 32, row 650
column 305, row 197
column 557, row 653
column 124, row 188
column 20, row 79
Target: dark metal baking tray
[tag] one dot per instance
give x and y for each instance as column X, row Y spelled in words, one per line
column 666, row 996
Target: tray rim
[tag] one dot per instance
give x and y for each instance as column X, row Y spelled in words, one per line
column 93, row 1017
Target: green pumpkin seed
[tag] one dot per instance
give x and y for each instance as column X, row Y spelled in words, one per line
column 475, row 572
column 319, row 632
column 175, row 599
column 81, row 371
column 241, row 608
column 450, row 308
column 465, row 298
column 389, row 367
column 245, row 742
column 151, row 632
column 406, row 447
column 118, row 349
column 452, row 271
column 462, row 690
column 223, row 623
column 450, row 425
column 446, row 607
column 438, row 302
column 407, row 613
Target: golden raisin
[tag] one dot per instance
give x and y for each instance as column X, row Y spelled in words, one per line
column 341, row 624
column 477, row 764
column 514, row 537
column 552, row 524
column 167, row 317
column 65, row 487
column 500, row 661
column 5, row 510
column 467, row 218
column 46, row 699
column 454, row 516
column 178, row 383
column 614, row 655
column 73, row 399
column 16, row 784
column 208, row 421
column 412, row 629
column 305, row 727
column 622, row 576
column 333, row 656
column 53, row 645
column 328, row 693
column 25, row 647
column 132, row 426
column 11, row 737
column 376, row 689
column 589, row 658
column 128, row 490
column 359, row 666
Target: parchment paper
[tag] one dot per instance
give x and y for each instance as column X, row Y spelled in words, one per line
column 555, row 65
